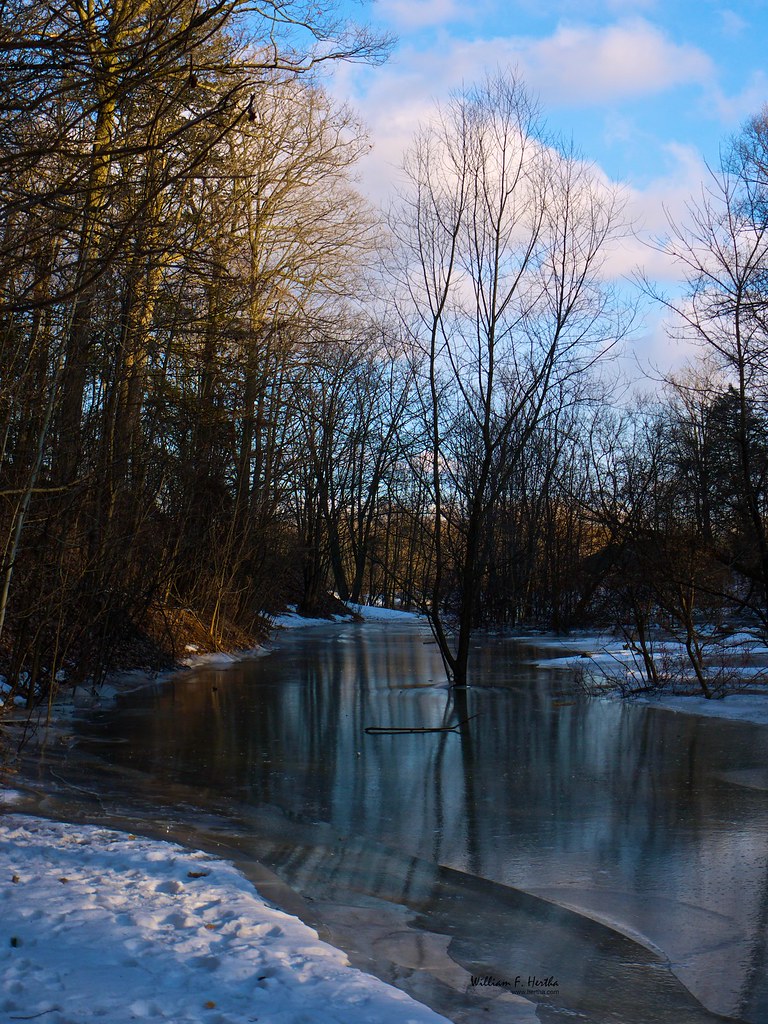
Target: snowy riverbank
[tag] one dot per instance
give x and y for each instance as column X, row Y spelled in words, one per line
column 126, row 681
column 98, row 924
column 368, row 613
column 101, row 925
column 610, row 669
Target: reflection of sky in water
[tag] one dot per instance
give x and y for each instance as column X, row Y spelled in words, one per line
column 648, row 821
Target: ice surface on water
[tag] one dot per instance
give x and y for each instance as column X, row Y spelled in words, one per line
column 649, row 822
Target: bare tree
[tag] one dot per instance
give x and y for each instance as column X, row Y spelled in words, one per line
column 501, row 238
column 722, row 249
column 130, row 337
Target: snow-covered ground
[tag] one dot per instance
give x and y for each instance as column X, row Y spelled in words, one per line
column 369, row 613
column 738, row 707
column 102, row 925
column 372, row 613
column 608, row 661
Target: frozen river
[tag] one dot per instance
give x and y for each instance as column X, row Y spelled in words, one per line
column 557, row 858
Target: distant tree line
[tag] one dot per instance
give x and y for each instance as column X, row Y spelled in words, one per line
column 228, row 384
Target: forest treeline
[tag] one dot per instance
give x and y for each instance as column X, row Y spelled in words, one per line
column 227, row 383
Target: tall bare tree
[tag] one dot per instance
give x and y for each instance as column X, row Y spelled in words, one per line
column 721, row 248
column 125, row 125
column 502, row 240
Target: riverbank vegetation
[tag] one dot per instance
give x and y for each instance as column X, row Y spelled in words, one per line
column 228, row 383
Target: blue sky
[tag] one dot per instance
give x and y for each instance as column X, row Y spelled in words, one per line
column 632, row 82
column 648, row 90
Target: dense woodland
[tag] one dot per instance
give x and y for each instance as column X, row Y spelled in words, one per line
column 227, row 383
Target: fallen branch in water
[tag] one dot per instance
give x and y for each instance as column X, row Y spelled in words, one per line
column 36, row 1015
column 393, row 730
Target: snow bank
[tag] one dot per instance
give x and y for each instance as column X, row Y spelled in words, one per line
column 5, row 690
column 608, row 658
column 737, row 707
column 221, row 659
column 100, row 925
column 370, row 613
column 292, row 620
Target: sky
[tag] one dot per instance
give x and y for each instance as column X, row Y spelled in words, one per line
column 647, row 90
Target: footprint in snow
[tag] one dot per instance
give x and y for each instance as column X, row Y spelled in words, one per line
column 207, row 962
column 180, row 920
column 171, row 887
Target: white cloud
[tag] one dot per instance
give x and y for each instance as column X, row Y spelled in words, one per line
column 414, row 14
column 751, row 100
column 733, row 24
column 579, row 65
column 574, row 66
column 653, row 353
column 650, row 210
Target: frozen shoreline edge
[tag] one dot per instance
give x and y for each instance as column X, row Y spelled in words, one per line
column 338, row 992
column 102, row 923
column 224, row 660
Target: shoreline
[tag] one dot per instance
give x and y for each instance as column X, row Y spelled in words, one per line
column 127, row 680
column 611, row 671
column 67, row 834
column 102, row 923
column 58, row 914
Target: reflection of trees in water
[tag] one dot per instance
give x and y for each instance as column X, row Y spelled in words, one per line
column 633, row 782
column 499, row 932
column 754, row 993
column 527, row 794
